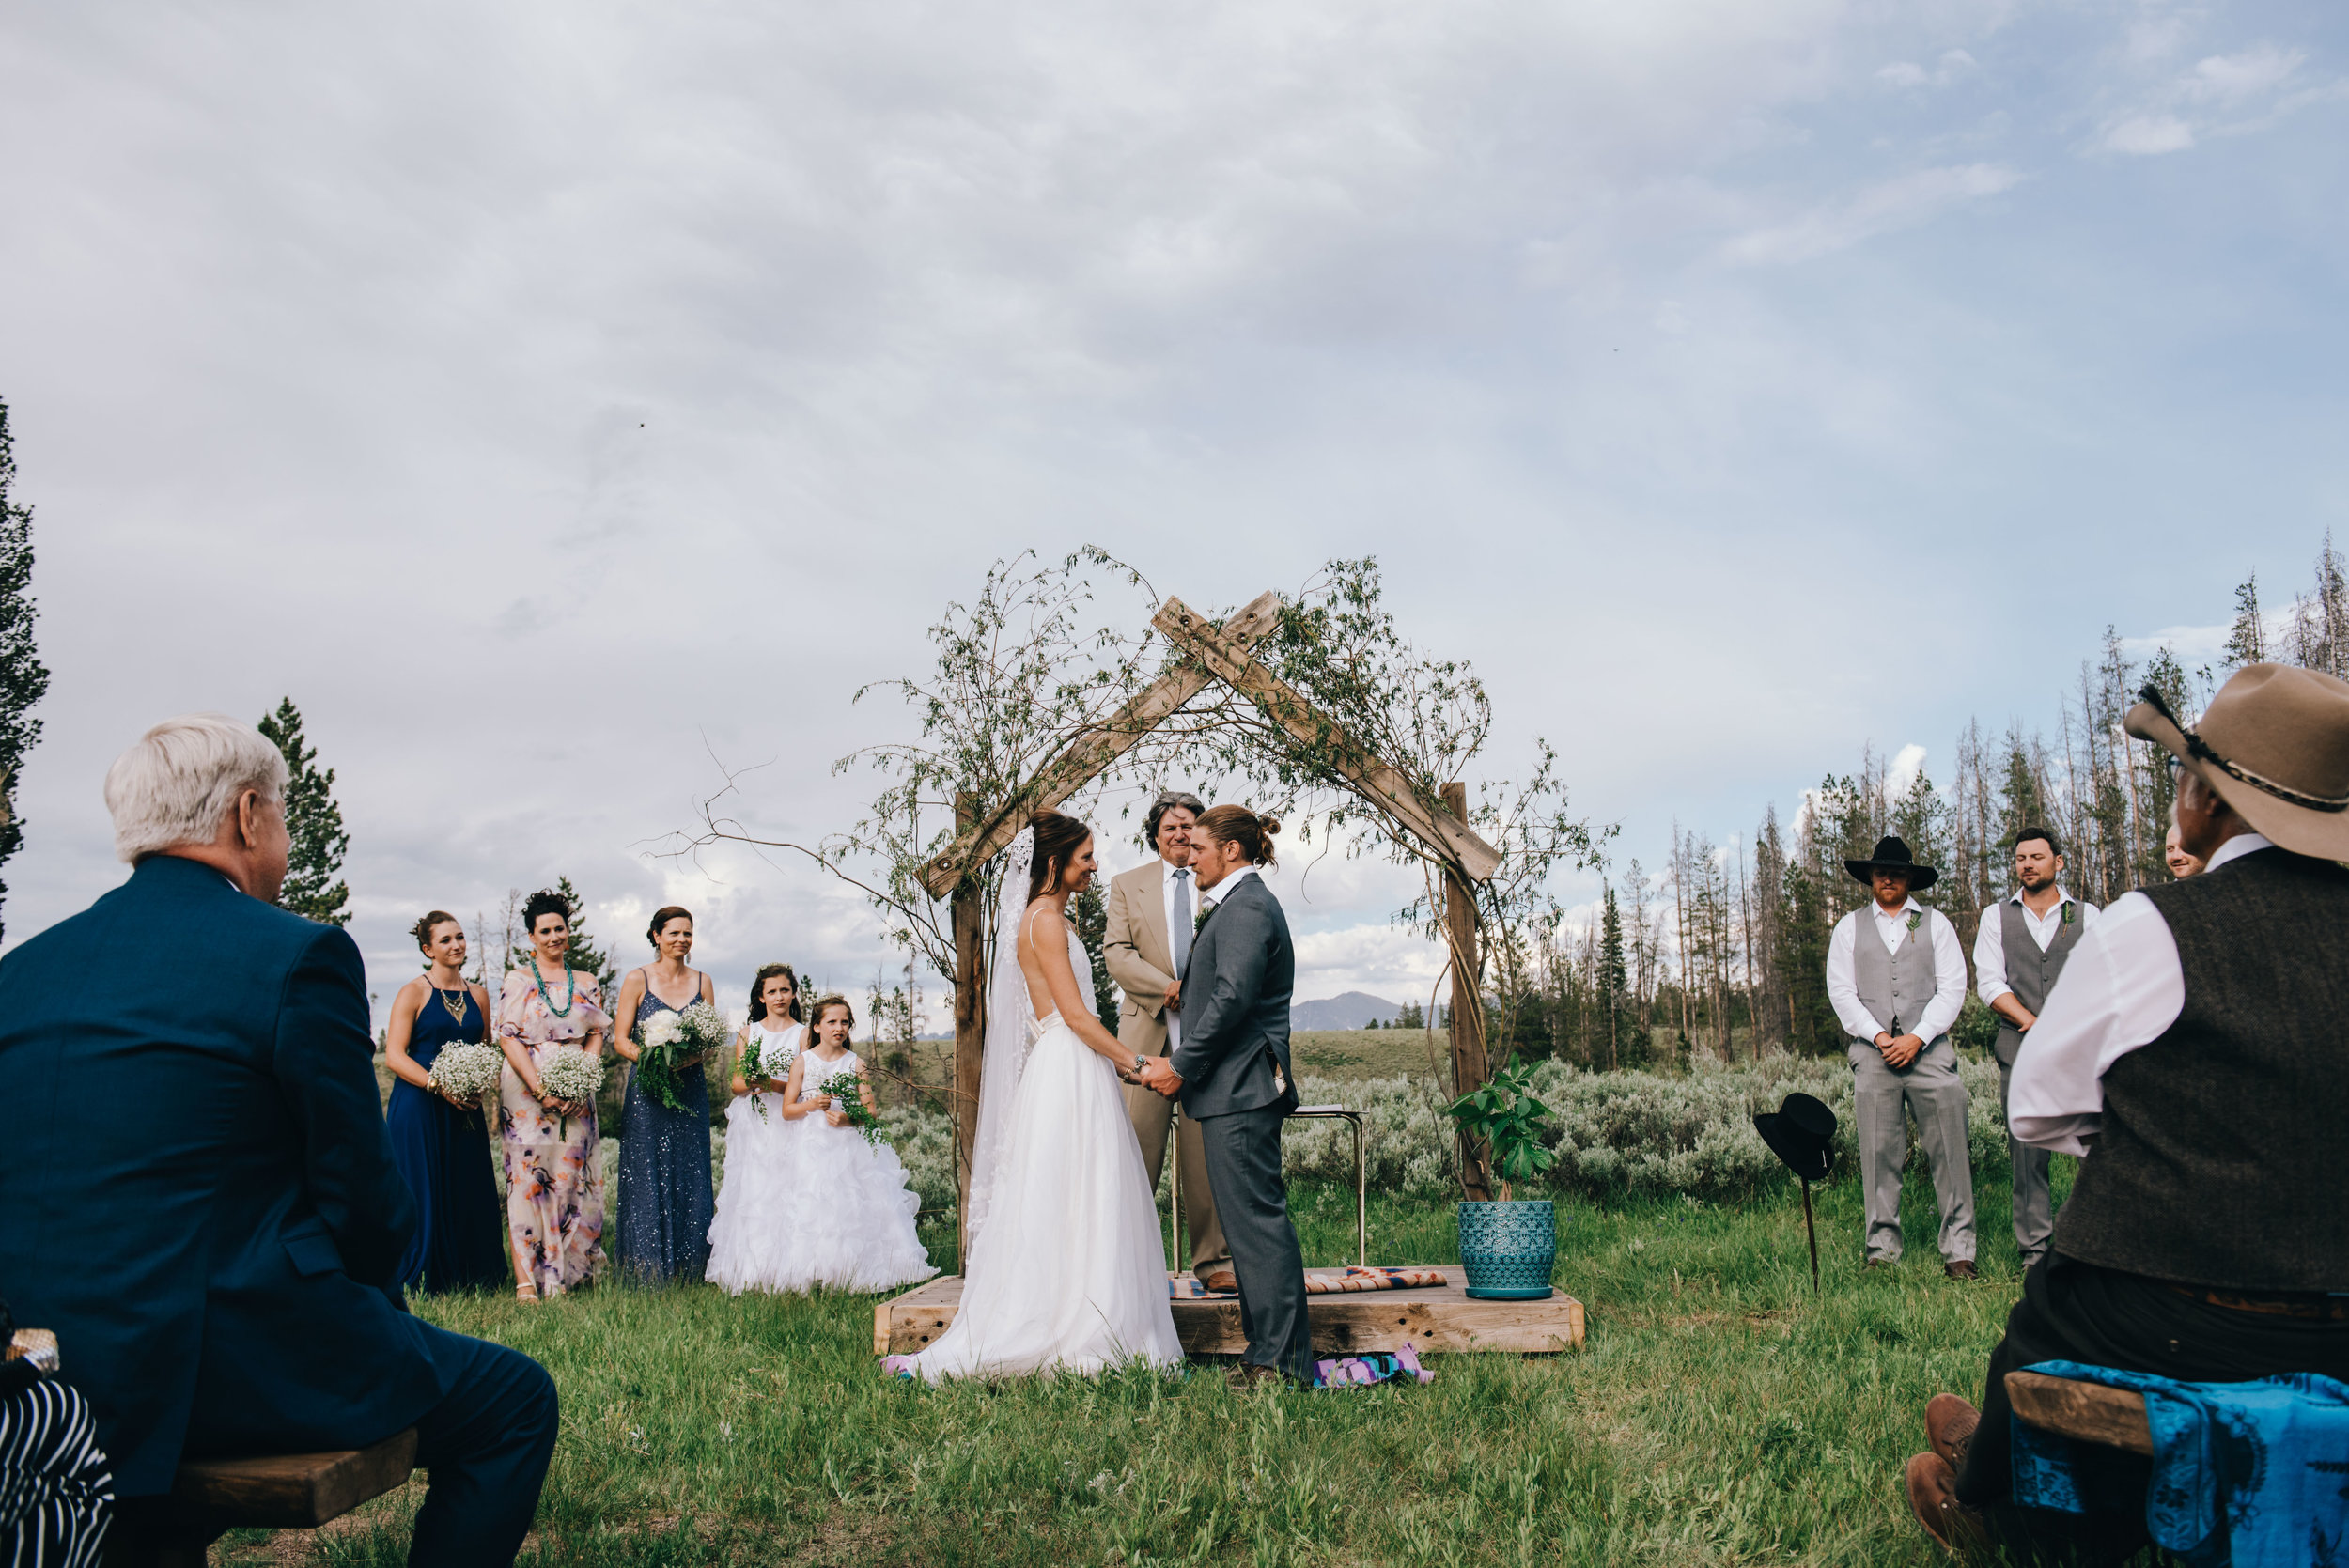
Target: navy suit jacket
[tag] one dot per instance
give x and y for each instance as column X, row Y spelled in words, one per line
column 1236, row 986
column 196, row 1191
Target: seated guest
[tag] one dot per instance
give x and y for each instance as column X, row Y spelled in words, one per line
column 2193, row 1051
column 56, row 1500
column 199, row 1193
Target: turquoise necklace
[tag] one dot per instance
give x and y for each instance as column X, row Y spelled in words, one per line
column 570, row 989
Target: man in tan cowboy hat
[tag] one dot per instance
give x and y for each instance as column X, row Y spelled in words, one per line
column 1896, row 977
column 1151, row 913
column 2194, row 1051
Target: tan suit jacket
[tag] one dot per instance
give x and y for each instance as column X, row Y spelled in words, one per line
column 1140, row 956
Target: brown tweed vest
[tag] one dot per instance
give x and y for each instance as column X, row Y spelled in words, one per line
column 2222, row 1159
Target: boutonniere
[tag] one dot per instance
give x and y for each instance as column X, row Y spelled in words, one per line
column 1916, row 918
column 2067, row 911
column 1199, row 920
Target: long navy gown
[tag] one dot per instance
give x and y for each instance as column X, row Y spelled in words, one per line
column 665, row 1192
column 443, row 1155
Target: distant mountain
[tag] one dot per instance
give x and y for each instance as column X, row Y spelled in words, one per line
column 1354, row 1010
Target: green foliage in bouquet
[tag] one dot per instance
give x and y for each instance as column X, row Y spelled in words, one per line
column 1509, row 1119
column 847, row 1093
column 666, row 1043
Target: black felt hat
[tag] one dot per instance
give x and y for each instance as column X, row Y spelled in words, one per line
column 1801, row 1133
column 1893, row 855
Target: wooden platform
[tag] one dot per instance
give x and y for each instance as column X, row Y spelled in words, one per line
column 1435, row 1319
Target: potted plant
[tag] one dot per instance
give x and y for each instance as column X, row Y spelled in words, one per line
column 1508, row 1248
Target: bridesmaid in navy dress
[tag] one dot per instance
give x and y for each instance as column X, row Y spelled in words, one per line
column 439, row 1146
column 666, row 1191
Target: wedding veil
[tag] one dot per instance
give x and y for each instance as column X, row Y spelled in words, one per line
column 1010, row 1020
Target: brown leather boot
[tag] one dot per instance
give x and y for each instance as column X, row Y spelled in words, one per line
column 1949, row 1424
column 1223, row 1282
column 1933, row 1498
column 1962, row 1269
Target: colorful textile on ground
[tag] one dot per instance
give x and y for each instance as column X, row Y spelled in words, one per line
column 897, row 1366
column 1355, row 1372
column 1373, row 1279
column 1184, row 1287
column 2245, row 1474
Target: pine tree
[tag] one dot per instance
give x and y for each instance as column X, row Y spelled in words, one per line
column 24, row 679
column 2247, row 643
column 1614, row 976
column 1093, row 930
column 313, row 821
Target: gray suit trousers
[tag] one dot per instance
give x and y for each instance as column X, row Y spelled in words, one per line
column 2034, row 1205
column 1930, row 1089
column 1252, row 1199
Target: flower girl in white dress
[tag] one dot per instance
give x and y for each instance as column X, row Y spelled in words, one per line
column 852, row 1215
column 746, row 1231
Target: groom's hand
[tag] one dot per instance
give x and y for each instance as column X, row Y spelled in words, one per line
column 1159, row 1074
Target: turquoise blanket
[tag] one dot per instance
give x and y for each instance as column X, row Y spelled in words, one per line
column 2246, row 1475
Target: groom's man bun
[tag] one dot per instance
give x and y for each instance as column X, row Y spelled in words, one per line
column 1240, row 826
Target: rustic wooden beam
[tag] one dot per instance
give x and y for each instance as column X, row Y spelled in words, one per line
column 1093, row 751
column 969, row 928
column 1469, row 1065
column 2090, row 1412
column 1452, row 839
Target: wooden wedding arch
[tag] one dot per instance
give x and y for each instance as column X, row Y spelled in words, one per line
column 1225, row 653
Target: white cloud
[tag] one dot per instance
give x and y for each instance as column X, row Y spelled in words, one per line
column 2231, row 79
column 1908, row 763
column 1902, row 73
column 1893, row 204
column 1908, row 73
column 2148, row 134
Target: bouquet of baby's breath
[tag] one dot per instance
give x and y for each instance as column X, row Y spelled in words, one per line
column 467, row 1071
column 569, row 1073
column 847, row 1098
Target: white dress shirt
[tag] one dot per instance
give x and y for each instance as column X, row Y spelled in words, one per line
column 1990, row 941
column 2122, row 989
column 1949, row 970
column 1168, row 881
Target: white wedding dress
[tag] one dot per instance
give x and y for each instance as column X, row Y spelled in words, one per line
column 746, row 1229
column 1064, row 1271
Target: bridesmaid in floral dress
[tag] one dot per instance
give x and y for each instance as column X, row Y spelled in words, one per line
column 553, row 1190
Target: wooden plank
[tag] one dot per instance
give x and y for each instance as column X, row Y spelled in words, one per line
column 1469, row 1065
column 291, row 1491
column 969, row 927
column 1437, row 1320
column 1092, row 751
column 2088, row 1411
column 1439, row 829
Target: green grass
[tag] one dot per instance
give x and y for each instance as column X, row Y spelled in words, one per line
column 1717, row 1415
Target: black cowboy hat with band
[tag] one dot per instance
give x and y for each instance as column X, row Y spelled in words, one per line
column 1893, row 855
column 1801, row 1134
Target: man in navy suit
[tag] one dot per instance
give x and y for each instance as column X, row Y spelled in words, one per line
column 196, row 1191
column 1232, row 1070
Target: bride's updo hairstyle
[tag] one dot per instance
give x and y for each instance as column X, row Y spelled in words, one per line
column 1240, row 826
column 1057, row 840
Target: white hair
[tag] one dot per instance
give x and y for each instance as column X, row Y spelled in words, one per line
column 182, row 777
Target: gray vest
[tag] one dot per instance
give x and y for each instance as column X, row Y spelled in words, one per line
column 1895, row 987
column 2218, row 1162
column 2031, row 973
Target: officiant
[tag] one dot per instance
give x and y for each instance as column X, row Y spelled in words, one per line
column 1151, row 914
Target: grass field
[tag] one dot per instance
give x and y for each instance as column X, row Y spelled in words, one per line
column 1717, row 1415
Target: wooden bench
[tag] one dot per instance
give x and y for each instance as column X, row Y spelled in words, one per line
column 2087, row 1412
column 280, row 1491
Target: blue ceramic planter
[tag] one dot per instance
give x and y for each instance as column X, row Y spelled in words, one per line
column 1508, row 1249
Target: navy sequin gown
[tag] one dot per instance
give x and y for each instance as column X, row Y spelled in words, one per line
column 665, row 1192
column 443, row 1152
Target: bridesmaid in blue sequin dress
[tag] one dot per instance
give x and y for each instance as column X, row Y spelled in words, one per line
column 441, row 1148
column 666, row 1191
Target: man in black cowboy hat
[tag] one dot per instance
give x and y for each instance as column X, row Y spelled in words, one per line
column 2194, row 1051
column 1896, row 977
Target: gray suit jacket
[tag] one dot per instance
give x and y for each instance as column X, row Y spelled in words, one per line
column 1235, row 1007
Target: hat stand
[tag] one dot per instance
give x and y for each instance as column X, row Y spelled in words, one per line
column 1811, row 1231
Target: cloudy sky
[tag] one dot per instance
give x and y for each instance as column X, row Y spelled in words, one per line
column 552, row 397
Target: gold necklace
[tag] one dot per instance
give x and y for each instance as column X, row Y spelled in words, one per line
column 457, row 1011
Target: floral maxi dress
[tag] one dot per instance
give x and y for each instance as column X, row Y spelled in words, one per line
column 554, row 1186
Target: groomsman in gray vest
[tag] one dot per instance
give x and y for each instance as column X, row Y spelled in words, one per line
column 1151, row 913
column 2017, row 954
column 1896, row 978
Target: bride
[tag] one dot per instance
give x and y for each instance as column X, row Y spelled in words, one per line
column 1064, row 1273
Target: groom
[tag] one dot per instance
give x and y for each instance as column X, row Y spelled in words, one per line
column 1232, row 1071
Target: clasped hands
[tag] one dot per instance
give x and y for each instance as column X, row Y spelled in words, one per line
column 1159, row 1073
column 1898, row 1050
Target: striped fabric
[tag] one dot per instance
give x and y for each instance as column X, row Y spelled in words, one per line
column 57, row 1493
